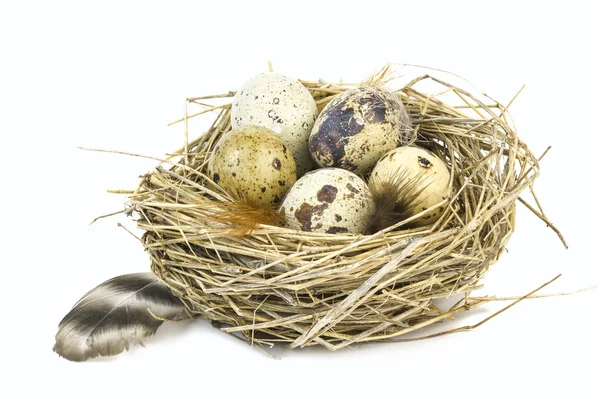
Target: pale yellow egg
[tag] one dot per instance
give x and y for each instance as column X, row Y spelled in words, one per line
column 423, row 172
column 253, row 165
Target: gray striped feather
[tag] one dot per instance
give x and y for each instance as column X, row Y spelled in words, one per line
column 117, row 313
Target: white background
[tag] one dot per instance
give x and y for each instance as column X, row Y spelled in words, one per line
column 111, row 76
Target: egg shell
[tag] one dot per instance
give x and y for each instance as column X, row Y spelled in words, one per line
column 281, row 104
column 412, row 161
column 330, row 200
column 253, row 164
column 357, row 127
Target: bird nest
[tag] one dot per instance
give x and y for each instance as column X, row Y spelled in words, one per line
column 275, row 284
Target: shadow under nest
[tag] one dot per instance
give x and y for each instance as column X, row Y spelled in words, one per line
column 302, row 288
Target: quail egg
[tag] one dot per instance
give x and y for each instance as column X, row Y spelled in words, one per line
column 254, row 165
column 357, row 127
column 427, row 173
column 283, row 105
column 330, row 200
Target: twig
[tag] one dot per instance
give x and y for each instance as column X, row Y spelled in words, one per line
column 470, row 327
column 106, row 216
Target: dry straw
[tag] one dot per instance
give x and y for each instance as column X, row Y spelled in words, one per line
column 302, row 288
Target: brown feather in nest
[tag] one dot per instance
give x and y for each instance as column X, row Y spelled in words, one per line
column 241, row 217
column 396, row 197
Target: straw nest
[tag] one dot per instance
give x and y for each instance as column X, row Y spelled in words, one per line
column 301, row 288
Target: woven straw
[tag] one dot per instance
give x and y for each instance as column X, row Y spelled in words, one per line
column 303, row 288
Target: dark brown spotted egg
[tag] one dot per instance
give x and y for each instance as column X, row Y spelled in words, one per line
column 254, row 165
column 359, row 126
column 330, row 200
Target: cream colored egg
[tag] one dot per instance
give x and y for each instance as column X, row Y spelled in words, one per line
column 330, row 200
column 359, row 126
column 281, row 104
column 253, row 164
column 427, row 175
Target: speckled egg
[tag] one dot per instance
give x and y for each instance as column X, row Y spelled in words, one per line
column 253, row 164
column 421, row 164
column 281, row 104
column 330, row 200
column 359, row 126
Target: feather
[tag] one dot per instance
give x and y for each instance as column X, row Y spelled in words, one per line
column 395, row 197
column 241, row 218
column 123, row 310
